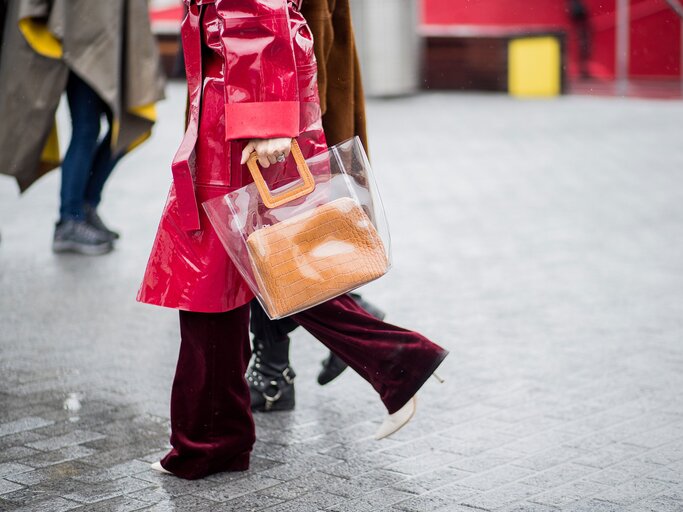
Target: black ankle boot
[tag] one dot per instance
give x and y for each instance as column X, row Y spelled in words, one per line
column 270, row 378
column 332, row 368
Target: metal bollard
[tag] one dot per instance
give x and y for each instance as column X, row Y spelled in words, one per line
column 388, row 45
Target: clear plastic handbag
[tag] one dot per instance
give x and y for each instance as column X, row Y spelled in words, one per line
column 310, row 240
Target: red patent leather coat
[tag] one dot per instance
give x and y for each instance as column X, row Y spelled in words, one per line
column 251, row 73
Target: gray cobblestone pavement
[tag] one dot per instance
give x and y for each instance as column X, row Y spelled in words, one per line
column 541, row 242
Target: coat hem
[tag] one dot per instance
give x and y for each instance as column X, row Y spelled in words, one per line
column 189, row 307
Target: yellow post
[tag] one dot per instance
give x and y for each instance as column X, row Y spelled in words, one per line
column 535, row 66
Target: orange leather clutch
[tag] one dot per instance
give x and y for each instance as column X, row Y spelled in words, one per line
column 313, row 256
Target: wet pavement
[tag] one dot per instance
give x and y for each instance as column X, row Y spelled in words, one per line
column 540, row 242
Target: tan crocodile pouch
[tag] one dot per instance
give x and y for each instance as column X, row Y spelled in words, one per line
column 315, row 256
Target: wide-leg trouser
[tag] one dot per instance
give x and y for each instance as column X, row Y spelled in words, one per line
column 211, row 422
column 212, row 429
column 395, row 361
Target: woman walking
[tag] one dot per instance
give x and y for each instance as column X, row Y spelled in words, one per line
column 103, row 55
column 252, row 81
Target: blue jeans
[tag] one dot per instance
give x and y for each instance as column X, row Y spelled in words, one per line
column 88, row 161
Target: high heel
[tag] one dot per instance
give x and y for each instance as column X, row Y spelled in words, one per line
column 394, row 422
column 156, row 466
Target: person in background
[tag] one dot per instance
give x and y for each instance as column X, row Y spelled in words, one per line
column 578, row 13
column 103, row 55
column 342, row 103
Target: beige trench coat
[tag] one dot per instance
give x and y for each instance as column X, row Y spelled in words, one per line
column 108, row 43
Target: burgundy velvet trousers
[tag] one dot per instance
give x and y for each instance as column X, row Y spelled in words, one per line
column 212, row 428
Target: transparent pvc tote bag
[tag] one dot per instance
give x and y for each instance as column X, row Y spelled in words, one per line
column 310, row 240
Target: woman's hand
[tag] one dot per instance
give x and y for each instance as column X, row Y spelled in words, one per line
column 269, row 151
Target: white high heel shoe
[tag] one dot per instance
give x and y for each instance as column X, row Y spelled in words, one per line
column 156, row 466
column 394, row 422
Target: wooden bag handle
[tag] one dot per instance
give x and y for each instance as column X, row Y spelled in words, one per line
column 301, row 190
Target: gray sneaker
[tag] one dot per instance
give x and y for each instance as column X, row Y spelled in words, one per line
column 95, row 221
column 80, row 237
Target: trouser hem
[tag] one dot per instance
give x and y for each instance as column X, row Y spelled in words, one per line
column 395, row 402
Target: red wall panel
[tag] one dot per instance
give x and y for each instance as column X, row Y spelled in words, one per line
column 655, row 29
column 493, row 12
column 656, row 43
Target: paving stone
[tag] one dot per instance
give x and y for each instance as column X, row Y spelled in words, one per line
column 543, row 441
column 23, row 496
column 654, row 424
column 250, row 502
column 657, row 437
column 238, row 488
column 495, row 478
column 424, row 445
column 423, row 463
column 594, row 441
column 536, row 427
column 92, row 493
column 529, row 507
column 670, row 453
column 129, row 468
column 311, row 502
column 8, row 486
column 471, row 412
column 432, row 480
column 279, row 453
column 72, row 438
column 20, row 438
column 125, row 432
column 49, row 473
column 440, row 499
column 151, row 495
column 193, row 503
column 624, row 471
column 12, row 468
column 475, row 441
column 365, row 447
column 60, row 456
column 300, row 467
column 380, row 498
column 366, row 483
column 564, row 495
column 558, row 475
column 594, row 505
column 50, row 505
column 500, row 497
column 57, row 429
column 549, row 458
column 173, row 486
column 119, row 504
column 260, row 464
column 632, row 491
column 359, row 465
column 146, row 454
column 447, row 508
column 669, row 475
column 486, row 461
column 293, row 489
column 608, row 455
column 15, row 453
column 29, row 423
column 669, row 501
